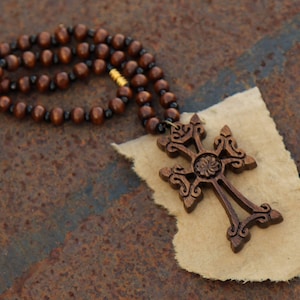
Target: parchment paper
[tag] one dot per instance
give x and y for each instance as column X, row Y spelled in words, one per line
column 200, row 244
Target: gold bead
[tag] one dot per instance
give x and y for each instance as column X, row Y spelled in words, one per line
column 117, row 77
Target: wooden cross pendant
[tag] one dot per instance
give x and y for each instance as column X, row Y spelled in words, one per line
column 207, row 169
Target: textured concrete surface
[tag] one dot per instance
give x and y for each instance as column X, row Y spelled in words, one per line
column 75, row 221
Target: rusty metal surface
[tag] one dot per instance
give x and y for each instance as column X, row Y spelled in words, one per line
column 75, row 221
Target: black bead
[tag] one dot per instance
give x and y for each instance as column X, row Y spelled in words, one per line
column 125, row 99
column 142, row 52
column 162, row 92
column 11, row 108
column 109, row 39
column 72, row 76
column 74, row 51
column 52, row 86
column 144, row 122
column 123, row 64
column 108, row 113
column 139, row 70
column 111, row 51
column 33, row 79
column 13, row 86
column 37, row 56
column 66, row 115
column 3, row 63
column 140, row 89
column 29, row 109
column 55, row 59
column 89, row 63
column 92, row 48
column 54, row 42
column 151, row 65
column 109, row 67
column 33, row 39
column 14, row 46
column 174, row 105
column 47, row 116
column 70, row 30
column 87, row 117
column 128, row 41
column 91, row 33
column 161, row 128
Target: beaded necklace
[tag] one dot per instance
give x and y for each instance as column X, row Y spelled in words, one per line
column 97, row 52
column 132, row 68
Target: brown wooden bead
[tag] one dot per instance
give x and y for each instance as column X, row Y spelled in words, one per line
column 161, row 85
column 151, row 125
column 145, row 60
column 172, row 113
column 43, row 83
column 99, row 66
column 83, row 50
column 4, row 85
column 4, row 49
column 146, row 112
column 118, row 41
column 97, row 115
column 155, row 73
column 62, row 35
column 77, row 115
column 143, row 98
column 102, row 51
column 117, row 58
column 125, row 91
column 100, row 36
column 166, row 99
column 38, row 113
column 80, row 32
column 5, row 103
column 139, row 80
column 81, row 70
column 1, row 72
column 57, row 116
column 134, row 48
column 117, row 105
column 12, row 62
column 130, row 68
column 44, row 39
column 29, row 59
column 46, row 58
column 19, row 110
column 24, row 84
column 65, row 55
column 24, row 42
column 62, row 80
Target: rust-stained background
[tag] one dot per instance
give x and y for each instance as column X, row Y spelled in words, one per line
column 75, row 221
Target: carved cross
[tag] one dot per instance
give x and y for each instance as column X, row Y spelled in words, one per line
column 207, row 169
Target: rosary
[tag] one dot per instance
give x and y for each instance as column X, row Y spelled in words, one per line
column 132, row 68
